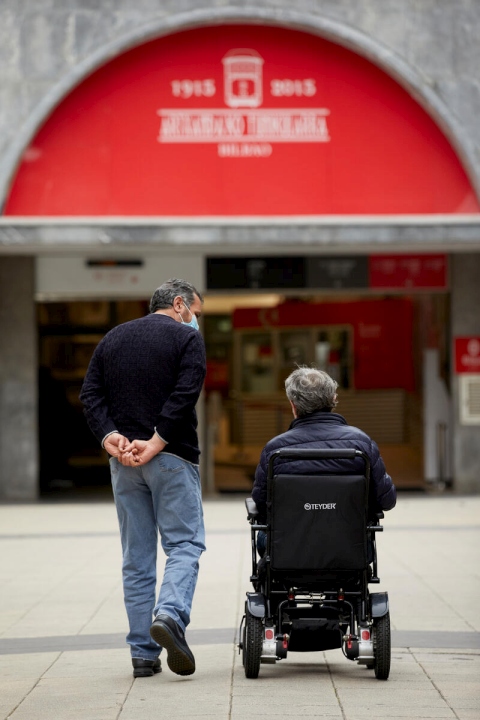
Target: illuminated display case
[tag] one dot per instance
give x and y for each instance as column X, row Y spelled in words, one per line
column 265, row 359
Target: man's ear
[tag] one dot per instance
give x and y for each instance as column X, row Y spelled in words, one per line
column 177, row 303
column 294, row 409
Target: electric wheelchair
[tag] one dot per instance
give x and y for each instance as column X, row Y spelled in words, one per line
column 311, row 586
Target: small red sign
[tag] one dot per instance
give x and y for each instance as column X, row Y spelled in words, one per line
column 217, row 375
column 408, row 271
column 467, row 355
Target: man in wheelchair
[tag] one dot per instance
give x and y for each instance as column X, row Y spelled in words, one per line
column 320, row 490
column 312, row 395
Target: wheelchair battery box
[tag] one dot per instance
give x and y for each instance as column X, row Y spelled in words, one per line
column 313, row 634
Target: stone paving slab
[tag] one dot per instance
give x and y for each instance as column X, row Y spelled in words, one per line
column 62, row 623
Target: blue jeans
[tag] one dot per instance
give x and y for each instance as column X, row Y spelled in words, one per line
column 163, row 495
column 261, row 542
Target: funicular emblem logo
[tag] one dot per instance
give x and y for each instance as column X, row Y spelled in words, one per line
column 473, row 347
column 243, row 128
column 243, row 78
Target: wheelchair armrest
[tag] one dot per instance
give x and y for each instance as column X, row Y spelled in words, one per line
column 374, row 524
column 252, row 510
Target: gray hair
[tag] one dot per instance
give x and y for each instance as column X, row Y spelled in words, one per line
column 310, row 390
column 164, row 295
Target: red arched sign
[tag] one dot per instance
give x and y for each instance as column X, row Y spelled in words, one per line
column 239, row 120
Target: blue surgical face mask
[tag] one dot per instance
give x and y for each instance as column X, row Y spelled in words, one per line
column 193, row 322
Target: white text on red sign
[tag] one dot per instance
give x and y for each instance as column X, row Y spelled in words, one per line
column 219, row 125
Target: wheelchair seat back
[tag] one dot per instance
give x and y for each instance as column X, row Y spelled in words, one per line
column 318, row 523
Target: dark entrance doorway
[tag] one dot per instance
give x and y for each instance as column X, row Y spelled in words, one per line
column 70, row 456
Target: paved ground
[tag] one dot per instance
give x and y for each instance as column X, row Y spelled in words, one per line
column 62, row 623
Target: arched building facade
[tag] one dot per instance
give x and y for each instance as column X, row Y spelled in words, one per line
column 316, row 182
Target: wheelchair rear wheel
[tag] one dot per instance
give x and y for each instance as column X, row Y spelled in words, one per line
column 252, row 646
column 382, row 647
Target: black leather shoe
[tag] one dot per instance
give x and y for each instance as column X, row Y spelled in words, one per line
column 169, row 635
column 146, row 668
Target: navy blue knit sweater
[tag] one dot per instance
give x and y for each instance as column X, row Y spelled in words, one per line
column 144, row 375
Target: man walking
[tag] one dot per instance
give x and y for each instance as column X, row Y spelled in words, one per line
column 139, row 398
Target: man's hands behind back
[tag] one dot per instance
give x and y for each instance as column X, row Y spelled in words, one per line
column 140, row 452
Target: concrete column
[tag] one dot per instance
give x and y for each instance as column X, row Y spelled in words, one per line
column 465, row 318
column 18, row 380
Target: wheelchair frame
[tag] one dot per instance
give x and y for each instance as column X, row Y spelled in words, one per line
column 328, row 609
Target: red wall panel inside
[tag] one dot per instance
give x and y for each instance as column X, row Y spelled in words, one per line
column 382, row 334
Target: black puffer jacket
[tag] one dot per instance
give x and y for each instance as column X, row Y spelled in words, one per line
column 326, row 430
